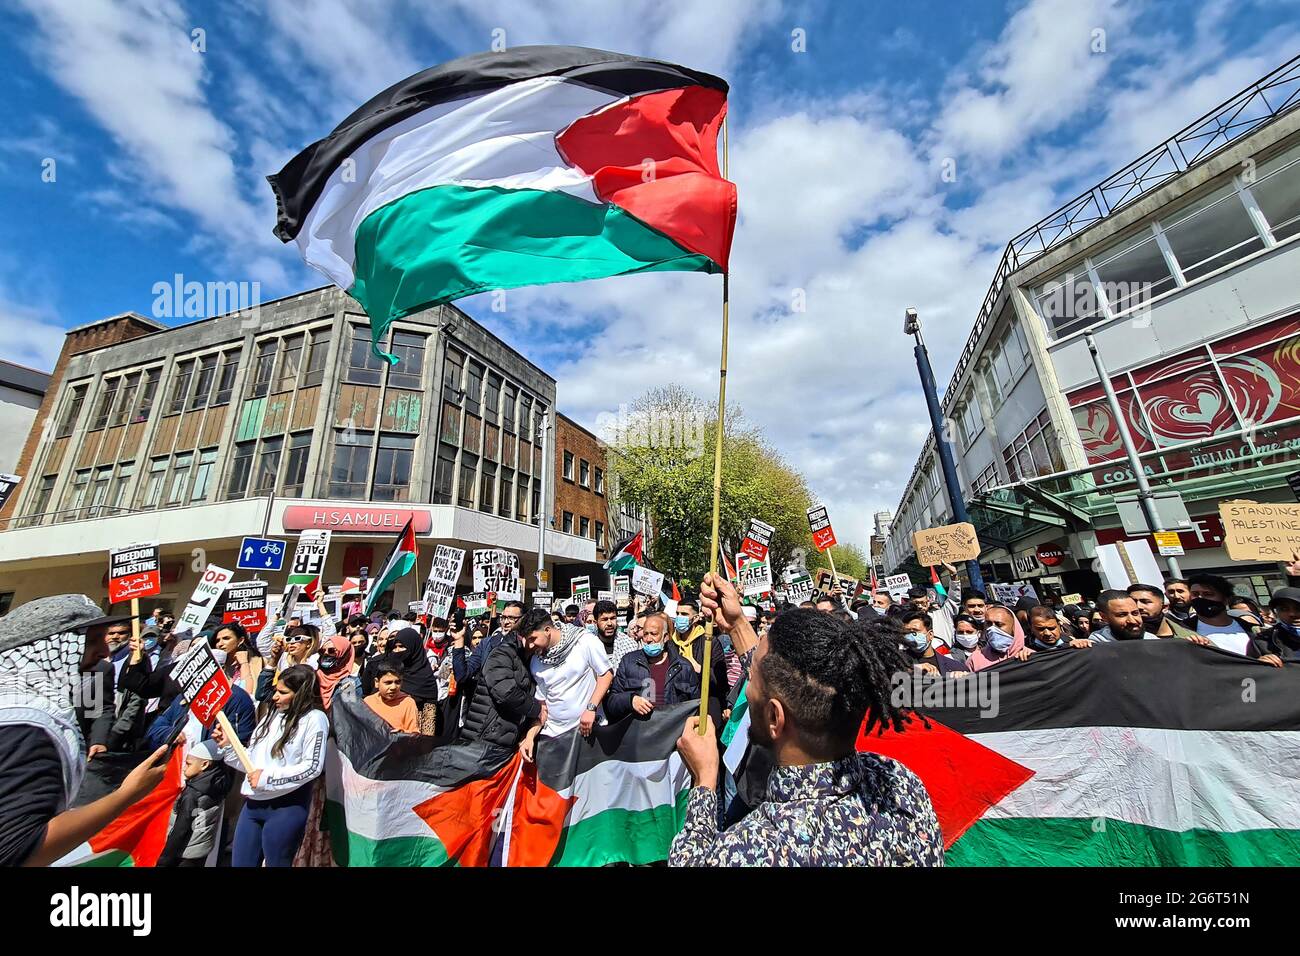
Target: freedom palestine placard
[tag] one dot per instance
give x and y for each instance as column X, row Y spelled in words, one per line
column 134, row 572
column 757, row 539
column 245, row 603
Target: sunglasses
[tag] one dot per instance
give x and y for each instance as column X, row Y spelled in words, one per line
column 299, row 639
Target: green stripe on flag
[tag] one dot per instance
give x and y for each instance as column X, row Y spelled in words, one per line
column 355, row 849
column 622, row 836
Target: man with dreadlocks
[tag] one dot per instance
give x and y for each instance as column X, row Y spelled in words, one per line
column 812, row 680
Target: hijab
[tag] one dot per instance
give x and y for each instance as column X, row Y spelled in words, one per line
column 335, row 663
column 984, row 656
column 418, row 679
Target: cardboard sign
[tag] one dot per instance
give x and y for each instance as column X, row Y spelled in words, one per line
column 1255, row 531
column 1010, row 594
column 819, row 523
column 543, row 598
column 757, row 539
column 800, row 589
column 308, row 562
column 1068, row 599
column 476, row 604
column 245, row 603
column 897, row 585
column 134, row 572
column 440, row 588
column 7, row 485
column 825, row 581
column 205, row 599
column 580, row 590
column 949, row 543
column 755, row 577
column 497, row 570
column 204, row 686
column 646, row 581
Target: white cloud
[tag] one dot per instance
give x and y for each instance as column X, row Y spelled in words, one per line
column 33, row 335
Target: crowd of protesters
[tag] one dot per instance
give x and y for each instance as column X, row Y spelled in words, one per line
column 519, row 673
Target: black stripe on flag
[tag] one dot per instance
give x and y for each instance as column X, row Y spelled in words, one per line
column 299, row 184
column 1168, row 684
column 561, row 759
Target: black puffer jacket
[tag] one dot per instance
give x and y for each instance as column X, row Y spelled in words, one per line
column 503, row 704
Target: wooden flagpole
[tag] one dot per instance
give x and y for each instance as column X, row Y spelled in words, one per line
column 717, row 470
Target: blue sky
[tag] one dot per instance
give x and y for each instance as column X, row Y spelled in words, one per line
column 160, row 153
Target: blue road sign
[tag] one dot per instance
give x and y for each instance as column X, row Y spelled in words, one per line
column 261, row 554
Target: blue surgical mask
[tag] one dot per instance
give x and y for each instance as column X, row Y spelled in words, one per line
column 998, row 639
column 591, row 629
column 150, row 643
column 968, row 641
column 682, row 623
column 1038, row 645
column 652, row 650
column 917, row 641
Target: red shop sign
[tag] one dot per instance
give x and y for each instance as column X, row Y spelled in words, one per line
column 355, row 520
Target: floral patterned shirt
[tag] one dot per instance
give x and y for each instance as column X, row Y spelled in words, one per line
column 862, row 810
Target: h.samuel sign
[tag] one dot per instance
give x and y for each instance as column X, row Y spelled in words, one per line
column 355, row 520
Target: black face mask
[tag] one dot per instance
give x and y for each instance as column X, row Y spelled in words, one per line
column 1204, row 607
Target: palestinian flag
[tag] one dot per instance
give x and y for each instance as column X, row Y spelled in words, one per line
column 940, row 593
column 138, row 835
column 1143, row 753
column 398, row 564
column 617, row 796
column 532, row 165
column 628, row 556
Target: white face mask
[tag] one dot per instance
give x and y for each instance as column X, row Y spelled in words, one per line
column 967, row 641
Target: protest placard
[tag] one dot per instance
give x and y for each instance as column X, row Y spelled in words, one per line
column 440, row 588
column 497, row 570
column 825, row 581
column 205, row 689
column 819, row 523
column 1010, row 594
column 647, row 581
column 800, row 589
column 948, row 543
column 476, row 603
column 757, row 539
column 897, row 585
column 204, row 600
column 134, row 572
column 308, row 562
column 543, row 598
column 245, row 604
column 754, row 577
column 580, row 590
column 1258, row 531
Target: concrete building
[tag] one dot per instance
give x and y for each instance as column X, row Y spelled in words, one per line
column 273, row 421
column 22, row 390
column 1185, row 266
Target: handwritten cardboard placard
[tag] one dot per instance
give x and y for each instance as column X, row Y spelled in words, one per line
column 949, row 543
column 1256, row 531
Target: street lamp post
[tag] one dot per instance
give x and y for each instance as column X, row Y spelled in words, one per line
column 912, row 327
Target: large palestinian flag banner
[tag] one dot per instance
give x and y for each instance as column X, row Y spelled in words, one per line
column 532, row 165
column 403, row 800
column 1144, row 753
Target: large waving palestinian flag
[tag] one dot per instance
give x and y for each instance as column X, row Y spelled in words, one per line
column 1143, row 753
column 533, row 165
column 401, row 800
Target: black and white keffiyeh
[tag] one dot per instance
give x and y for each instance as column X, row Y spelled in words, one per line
column 569, row 633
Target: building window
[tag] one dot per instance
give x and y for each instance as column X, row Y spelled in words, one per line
column 240, row 470
column 1034, row 451
column 259, row 383
column 125, row 399
column 444, row 475
column 537, row 501
column 76, row 495
column 71, row 412
column 117, row 497
column 203, row 385
column 364, row 366
column 568, row 466
column 203, row 474
column 290, row 363
column 268, row 467
column 1277, row 192
column 487, row 487
column 600, row 535
column 226, row 380
column 985, row 480
column 473, row 434
column 393, row 468
column 351, row 471
column 473, row 387
column 1068, row 303
column 409, row 370
column 99, row 490
column 295, row 471
column 521, row 500
column 106, row 399
column 584, row 527
column 1211, row 233
column 1133, row 272
column 451, row 369
column 181, row 387
column 584, row 472
column 492, row 397
column 468, row 480
column 506, row 493
column 508, row 409
column 316, row 356
column 568, row 522
column 526, row 417
column 450, row 429
column 491, row 442
column 525, row 457
column 146, row 397
column 151, row 494
column 600, row 482
column 41, row 500
column 180, row 478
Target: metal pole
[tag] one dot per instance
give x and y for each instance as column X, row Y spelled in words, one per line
column 945, row 452
column 544, row 425
column 1135, row 463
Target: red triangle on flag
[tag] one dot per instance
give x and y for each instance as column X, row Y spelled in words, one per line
column 462, row 818
column 538, row 822
column 964, row 778
column 141, row 829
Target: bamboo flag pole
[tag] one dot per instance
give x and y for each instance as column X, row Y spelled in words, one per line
column 717, row 471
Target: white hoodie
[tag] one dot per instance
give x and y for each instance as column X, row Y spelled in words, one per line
column 302, row 762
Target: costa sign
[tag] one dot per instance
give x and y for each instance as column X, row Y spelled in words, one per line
column 1049, row 555
column 355, row 520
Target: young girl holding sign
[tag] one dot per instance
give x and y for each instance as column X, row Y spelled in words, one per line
column 288, row 754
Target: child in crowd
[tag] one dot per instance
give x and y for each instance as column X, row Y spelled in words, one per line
column 196, row 815
column 394, row 707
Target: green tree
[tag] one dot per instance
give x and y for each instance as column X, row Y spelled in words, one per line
column 850, row 560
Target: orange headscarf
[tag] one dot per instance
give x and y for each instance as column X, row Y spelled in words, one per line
column 340, row 650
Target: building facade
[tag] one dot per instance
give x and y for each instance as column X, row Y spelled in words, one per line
column 276, row 420
column 22, row 390
column 1184, row 267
